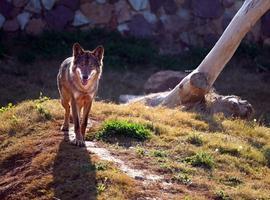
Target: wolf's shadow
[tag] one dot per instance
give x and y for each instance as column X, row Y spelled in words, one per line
column 73, row 173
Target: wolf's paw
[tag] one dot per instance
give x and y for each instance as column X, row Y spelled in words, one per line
column 78, row 142
column 64, row 127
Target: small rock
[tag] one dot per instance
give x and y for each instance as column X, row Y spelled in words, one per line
column 138, row 4
column 6, row 8
column 122, row 28
column 122, row 10
column 23, row 19
column 97, row 13
column 139, row 27
column 101, row 1
column 150, row 17
column 72, row 4
column 207, row 8
column 2, row 20
column 19, row 3
column 139, row 178
column 80, row 19
column 11, row 25
column 35, row 26
column 48, row 4
column 163, row 81
column 59, row 17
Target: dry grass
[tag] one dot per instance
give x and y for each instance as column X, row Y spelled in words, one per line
column 37, row 163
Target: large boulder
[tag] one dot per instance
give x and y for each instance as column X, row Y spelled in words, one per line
column 35, row 26
column 59, row 17
column 72, row 4
column 33, row 6
column 207, row 8
column 19, row 3
column 11, row 25
column 97, row 13
column 138, row 4
column 6, row 8
column 155, row 5
column 23, row 19
column 80, row 19
column 122, row 10
column 48, row 4
column 163, row 81
column 139, row 27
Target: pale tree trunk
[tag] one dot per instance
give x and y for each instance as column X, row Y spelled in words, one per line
column 193, row 88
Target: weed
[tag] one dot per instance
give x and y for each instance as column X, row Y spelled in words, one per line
column 195, row 140
column 182, row 179
column 123, row 128
column 140, row 152
column 221, row 195
column 159, row 153
column 201, row 159
column 232, row 181
column 230, row 151
column 101, row 188
column 6, row 108
column 101, row 166
column 43, row 112
column 266, row 154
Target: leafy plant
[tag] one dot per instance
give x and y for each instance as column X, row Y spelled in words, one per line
column 201, row 159
column 182, row 178
column 221, row 195
column 6, row 108
column 123, row 128
column 195, row 140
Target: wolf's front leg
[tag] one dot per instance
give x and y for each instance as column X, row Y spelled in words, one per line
column 86, row 110
column 65, row 125
column 76, row 120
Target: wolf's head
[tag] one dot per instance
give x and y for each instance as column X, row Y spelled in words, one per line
column 87, row 65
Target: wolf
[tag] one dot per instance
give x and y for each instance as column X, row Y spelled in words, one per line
column 77, row 81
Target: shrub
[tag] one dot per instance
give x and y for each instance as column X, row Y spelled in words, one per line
column 195, row 140
column 123, row 128
column 201, row 159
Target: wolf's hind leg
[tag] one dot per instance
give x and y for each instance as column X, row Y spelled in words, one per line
column 65, row 125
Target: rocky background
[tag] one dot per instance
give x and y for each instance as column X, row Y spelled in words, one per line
column 175, row 24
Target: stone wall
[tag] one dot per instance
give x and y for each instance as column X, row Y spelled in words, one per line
column 174, row 24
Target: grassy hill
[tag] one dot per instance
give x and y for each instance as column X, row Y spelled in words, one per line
column 200, row 157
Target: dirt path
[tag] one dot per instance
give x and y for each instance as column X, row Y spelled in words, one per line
column 154, row 186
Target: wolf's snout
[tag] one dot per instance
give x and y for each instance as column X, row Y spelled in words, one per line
column 85, row 77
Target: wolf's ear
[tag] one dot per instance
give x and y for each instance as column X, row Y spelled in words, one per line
column 77, row 49
column 99, row 52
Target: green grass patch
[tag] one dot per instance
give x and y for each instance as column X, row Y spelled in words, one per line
column 112, row 128
column 201, row 159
